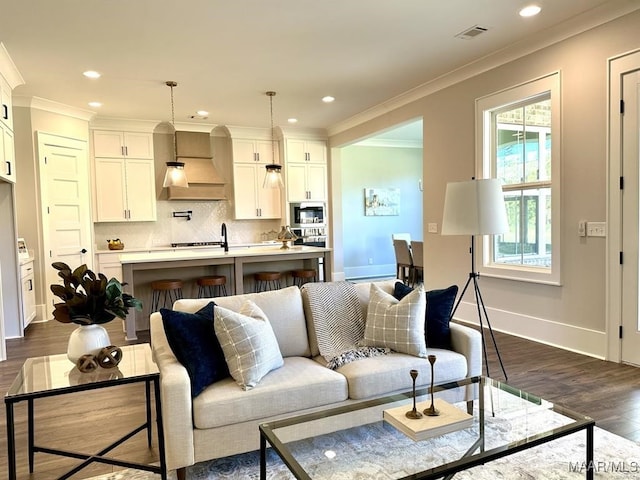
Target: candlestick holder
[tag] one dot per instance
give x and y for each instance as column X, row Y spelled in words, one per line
column 414, row 413
column 431, row 411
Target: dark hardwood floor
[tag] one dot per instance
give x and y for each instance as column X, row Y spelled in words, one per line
column 608, row 392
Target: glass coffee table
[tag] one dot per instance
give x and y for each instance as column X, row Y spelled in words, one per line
column 354, row 441
column 53, row 375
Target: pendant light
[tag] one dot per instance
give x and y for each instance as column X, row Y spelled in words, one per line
column 273, row 177
column 175, row 175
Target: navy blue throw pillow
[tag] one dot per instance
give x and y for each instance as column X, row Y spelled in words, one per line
column 193, row 340
column 439, row 306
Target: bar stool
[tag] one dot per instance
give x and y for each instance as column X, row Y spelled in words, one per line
column 267, row 281
column 300, row 277
column 213, row 286
column 169, row 290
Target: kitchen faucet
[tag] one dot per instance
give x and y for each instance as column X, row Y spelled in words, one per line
column 225, row 243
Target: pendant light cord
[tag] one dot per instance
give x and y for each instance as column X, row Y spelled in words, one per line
column 172, row 84
column 273, row 142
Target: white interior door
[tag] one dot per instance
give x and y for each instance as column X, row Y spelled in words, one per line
column 630, row 125
column 66, row 205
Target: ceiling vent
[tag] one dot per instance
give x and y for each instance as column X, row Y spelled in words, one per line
column 472, row 32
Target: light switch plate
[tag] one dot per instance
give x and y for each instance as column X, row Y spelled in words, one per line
column 596, row 229
column 432, row 227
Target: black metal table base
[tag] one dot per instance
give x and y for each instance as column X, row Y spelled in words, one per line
column 99, row 457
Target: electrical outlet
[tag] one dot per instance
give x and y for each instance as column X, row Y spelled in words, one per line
column 371, row 261
column 432, row 227
column 597, row 229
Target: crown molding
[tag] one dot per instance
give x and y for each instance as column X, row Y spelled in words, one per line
column 53, row 107
column 388, row 143
column 575, row 26
column 8, row 69
column 123, row 124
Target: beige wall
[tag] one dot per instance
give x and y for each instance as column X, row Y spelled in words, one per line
column 573, row 314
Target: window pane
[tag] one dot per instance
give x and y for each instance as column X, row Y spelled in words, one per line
column 523, row 143
column 528, row 241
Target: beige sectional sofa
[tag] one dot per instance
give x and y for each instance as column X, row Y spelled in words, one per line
column 223, row 419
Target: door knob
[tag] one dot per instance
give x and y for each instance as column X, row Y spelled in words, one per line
column 84, row 250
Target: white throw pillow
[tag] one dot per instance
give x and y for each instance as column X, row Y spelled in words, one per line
column 248, row 342
column 398, row 325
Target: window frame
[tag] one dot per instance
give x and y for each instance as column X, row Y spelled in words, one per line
column 515, row 96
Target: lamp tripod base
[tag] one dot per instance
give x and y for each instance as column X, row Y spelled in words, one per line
column 482, row 311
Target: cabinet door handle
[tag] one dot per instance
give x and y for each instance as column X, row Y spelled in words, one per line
column 8, row 167
column 5, row 113
column 84, row 250
column 126, row 151
column 30, row 284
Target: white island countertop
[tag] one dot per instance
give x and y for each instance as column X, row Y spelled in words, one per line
column 216, row 252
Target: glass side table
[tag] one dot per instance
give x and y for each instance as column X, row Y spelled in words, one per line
column 55, row 375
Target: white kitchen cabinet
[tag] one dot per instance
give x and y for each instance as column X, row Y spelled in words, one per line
column 306, row 151
column 28, row 292
column 306, row 166
column 251, row 200
column 7, row 155
column 107, row 143
column 6, row 104
column 255, row 151
column 109, row 265
column 125, row 190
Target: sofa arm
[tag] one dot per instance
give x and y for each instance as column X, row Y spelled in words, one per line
column 468, row 342
column 175, row 396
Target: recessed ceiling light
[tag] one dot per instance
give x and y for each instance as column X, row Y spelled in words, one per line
column 91, row 74
column 202, row 113
column 292, row 120
column 328, row 99
column 95, row 104
column 530, row 11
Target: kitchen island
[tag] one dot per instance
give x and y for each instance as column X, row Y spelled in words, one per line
column 239, row 263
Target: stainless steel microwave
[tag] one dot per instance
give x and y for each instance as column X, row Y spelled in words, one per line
column 307, row 214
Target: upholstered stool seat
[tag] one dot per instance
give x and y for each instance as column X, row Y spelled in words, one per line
column 300, row 277
column 167, row 290
column 212, row 286
column 267, row 281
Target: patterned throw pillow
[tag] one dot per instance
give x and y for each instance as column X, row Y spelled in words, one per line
column 439, row 307
column 396, row 324
column 250, row 347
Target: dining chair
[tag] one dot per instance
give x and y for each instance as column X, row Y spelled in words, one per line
column 404, row 260
column 417, row 253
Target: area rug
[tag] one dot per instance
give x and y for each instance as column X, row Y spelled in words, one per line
column 374, row 455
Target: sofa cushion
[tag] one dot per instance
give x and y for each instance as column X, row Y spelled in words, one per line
column 438, row 313
column 285, row 313
column 248, row 342
column 377, row 376
column 396, row 324
column 299, row 384
column 192, row 338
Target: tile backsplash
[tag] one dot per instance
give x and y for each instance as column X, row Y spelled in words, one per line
column 205, row 225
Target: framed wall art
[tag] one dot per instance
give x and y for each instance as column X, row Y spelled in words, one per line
column 381, row 202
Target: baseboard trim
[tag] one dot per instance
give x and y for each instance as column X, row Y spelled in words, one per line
column 568, row 337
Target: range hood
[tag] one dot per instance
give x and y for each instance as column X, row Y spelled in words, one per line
column 205, row 183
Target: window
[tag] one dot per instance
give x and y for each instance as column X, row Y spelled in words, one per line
column 518, row 135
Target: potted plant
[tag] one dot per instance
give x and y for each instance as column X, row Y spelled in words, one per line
column 89, row 300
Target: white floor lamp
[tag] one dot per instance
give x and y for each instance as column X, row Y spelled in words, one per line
column 475, row 207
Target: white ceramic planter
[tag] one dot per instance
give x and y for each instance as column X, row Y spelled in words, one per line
column 87, row 339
